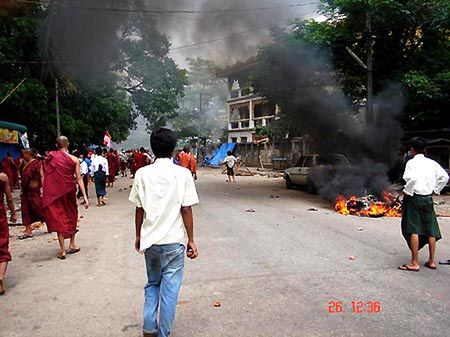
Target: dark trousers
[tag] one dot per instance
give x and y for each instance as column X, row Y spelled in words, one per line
column 85, row 183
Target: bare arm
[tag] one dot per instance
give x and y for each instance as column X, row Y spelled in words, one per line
column 42, row 175
column 80, row 184
column 138, row 220
column 188, row 220
column 9, row 199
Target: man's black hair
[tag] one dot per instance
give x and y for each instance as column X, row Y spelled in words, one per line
column 98, row 151
column 229, row 153
column 418, row 144
column 163, row 142
column 142, row 150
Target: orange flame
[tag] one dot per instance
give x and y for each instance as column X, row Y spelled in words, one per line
column 388, row 205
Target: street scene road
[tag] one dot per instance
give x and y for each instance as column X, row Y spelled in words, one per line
column 268, row 266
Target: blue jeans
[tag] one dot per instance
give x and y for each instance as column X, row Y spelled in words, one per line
column 165, row 265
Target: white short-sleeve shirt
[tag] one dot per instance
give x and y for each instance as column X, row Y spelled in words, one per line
column 161, row 190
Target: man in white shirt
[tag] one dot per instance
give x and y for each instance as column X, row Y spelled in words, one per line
column 163, row 194
column 230, row 162
column 100, row 172
column 424, row 177
column 84, row 171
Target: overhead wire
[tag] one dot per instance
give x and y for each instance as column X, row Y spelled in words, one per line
column 164, row 11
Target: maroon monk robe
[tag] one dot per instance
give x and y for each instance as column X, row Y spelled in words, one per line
column 111, row 158
column 140, row 159
column 5, row 255
column 10, row 169
column 59, row 200
column 31, row 201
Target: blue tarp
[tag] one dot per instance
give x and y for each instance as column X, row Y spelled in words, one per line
column 219, row 156
column 14, row 149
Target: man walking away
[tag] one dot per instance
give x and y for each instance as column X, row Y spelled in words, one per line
column 163, row 194
column 423, row 177
column 59, row 200
column 84, row 171
column 100, row 171
column 230, row 162
column 30, row 197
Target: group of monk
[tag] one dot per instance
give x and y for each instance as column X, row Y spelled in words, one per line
column 50, row 187
column 48, row 194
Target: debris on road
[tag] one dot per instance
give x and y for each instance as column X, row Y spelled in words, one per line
column 250, row 210
column 351, row 258
column 312, row 209
column 274, row 196
column 359, row 229
column 217, row 304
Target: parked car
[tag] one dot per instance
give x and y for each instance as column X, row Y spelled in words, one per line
column 299, row 174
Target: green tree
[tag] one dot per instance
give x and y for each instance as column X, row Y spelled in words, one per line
column 410, row 45
column 138, row 78
column 207, row 90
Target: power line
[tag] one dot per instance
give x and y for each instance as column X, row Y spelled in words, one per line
column 226, row 37
column 215, row 40
column 161, row 11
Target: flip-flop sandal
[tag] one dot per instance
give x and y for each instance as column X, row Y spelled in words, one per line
column 426, row 264
column 445, row 262
column 25, row 236
column 61, row 257
column 73, row 251
column 406, row 268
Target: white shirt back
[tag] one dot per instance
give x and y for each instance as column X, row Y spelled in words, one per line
column 230, row 161
column 424, row 176
column 161, row 190
column 96, row 162
column 84, row 169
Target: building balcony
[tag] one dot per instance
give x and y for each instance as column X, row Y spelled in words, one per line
column 242, row 124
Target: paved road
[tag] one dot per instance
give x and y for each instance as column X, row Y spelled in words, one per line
column 274, row 272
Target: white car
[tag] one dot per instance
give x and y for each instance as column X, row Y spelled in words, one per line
column 299, row 174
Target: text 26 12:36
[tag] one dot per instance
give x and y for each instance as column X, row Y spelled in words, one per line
column 358, row 307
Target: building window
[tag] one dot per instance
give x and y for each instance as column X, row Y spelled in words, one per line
column 234, row 139
column 262, row 110
column 244, row 140
column 234, row 125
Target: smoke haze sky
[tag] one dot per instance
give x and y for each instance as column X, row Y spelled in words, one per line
column 223, row 31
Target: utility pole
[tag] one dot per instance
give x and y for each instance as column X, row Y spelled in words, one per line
column 369, row 114
column 200, row 110
column 368, row 67
column 58, row 125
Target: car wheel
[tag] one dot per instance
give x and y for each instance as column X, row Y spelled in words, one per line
column 289, row 184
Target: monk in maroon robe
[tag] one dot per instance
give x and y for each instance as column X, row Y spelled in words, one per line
column 112, row 166
column 59, row 200
column 140, row 159
column 31, row 201
column 5, row 255
column 10, row 169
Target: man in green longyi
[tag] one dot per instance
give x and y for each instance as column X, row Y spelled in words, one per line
column 424, row 177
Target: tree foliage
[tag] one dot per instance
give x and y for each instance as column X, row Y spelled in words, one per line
column 211, row 92
column 139, row 78
column 410, row 44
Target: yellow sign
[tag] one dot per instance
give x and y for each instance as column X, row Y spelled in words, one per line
column 9, row 136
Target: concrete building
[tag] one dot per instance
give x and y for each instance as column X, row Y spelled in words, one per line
column 247, row 111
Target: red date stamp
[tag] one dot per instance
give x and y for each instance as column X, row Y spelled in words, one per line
column 357, row 307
